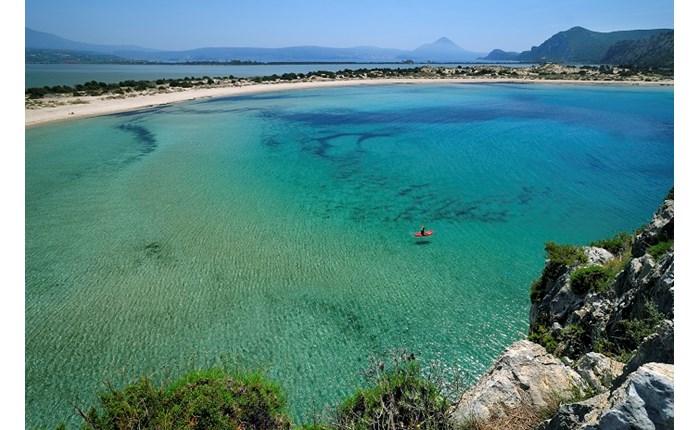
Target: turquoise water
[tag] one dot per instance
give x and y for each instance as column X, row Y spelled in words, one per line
column 276, row 229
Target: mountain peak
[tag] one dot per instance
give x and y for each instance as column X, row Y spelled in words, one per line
column 443, row 41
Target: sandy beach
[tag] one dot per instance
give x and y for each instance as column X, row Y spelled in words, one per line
column 84, row 107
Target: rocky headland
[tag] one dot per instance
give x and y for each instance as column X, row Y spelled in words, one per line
column 600, row 350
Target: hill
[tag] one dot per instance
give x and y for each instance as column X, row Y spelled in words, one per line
column 579, row 45
column 654, row 51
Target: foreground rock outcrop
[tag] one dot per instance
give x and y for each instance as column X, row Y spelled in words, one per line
column 603, row 320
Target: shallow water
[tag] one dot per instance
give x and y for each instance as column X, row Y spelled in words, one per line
column 277, row 229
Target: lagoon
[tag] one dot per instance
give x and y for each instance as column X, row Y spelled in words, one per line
column 275, row 230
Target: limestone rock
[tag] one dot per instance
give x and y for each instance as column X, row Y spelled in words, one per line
column 524, row 378
column 660, row 228
column 598, row 370
column 645, row 401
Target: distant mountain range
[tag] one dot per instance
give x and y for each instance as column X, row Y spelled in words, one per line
column 37, row 45
column 642, row 48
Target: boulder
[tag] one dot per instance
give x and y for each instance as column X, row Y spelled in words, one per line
column 598, row 371
column 524, row 381
column 645, row 401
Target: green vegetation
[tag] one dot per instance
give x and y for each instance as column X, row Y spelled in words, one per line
column 546, row 71
column 595, row 278
column 661, row 248
column 398, row 397
column 199, row 400
column 638, row 329
column 670, row 194
column 537, row 291
column 567, row 255
column 399, row 394
column 543, row 337
column 630, row 333
column 617, row 245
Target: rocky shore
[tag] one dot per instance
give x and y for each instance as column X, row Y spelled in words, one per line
column 600, row 354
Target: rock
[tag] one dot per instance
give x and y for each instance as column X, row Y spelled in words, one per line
column 658, row 348
column 524, row 381
column 598, row 371
column 644, row 401
column 580, row 415
column 662, row 227
column 597, row 256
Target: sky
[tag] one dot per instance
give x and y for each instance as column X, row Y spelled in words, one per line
column 480, row 26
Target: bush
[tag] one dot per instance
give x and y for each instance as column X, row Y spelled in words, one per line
column 400, row 397
column 638, row 329
column 537, row 291
column 593, row 278
column 568, row 255
column 543, row 337
column 617, row 245
column 660, row 248
column 199, row 400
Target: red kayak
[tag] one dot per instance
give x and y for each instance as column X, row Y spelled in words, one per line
column 427, row 233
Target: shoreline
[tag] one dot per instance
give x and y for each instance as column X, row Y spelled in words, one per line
column 106, row 105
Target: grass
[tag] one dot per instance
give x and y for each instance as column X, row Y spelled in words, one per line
column 567, row 255
column 661, row 248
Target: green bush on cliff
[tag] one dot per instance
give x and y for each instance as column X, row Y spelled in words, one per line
column 199, row 400
column 567, row 255
column 543, row 337
column 660, row 248
column 399, row 397
column 595, row 278
column 537, row 291
column 617, row 245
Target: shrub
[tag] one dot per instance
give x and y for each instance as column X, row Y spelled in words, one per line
column 543, row 337
column 670, row 194
column 568, row 255
column 617, row 245
column 660, row 248
column 536, row 291
column 638, row 329
column 400, row 397
column 200, row 400
column 595, row 278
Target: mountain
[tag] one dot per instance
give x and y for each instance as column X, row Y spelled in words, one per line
column 500, row 55
column 441, row 50
column 580, row 45
column 38, row 46
column 45, row 41
column 289, row 54
column 654, row 51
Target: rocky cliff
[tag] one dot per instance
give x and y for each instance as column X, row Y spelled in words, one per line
column 600, row 354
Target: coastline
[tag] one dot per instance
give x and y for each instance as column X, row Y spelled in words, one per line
column 105, row 105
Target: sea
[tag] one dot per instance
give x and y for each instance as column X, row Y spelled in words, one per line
column 275, row 232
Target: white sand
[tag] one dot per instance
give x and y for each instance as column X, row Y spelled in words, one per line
column 103, row 105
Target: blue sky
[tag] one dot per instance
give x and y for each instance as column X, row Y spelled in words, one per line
column 513, row 25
